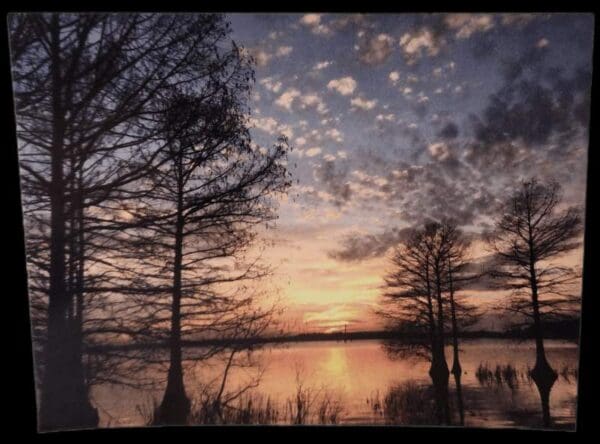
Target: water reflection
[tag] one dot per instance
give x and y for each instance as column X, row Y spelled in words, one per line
column 350, row 382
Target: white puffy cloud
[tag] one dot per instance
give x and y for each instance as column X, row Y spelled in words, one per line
column 310, row 19
column 267, row 124
column 286, row 99
column 270, row 126
column 416, row 43
column 313, row 21
column 286, row 130
column 344, row 85
column 284, row 51
column 422, row 98
column 542, row 43
column 439, row 151
column 300, row 141
column 519, row 19
column 394, row 77
column 376, row 49
column 321, row 65
column 335, row 134
column 361, row 103
column 386, row 117
column 260, row 56
column 312, row 152
column 270, row 84
column 468, row 24
column 313, row 101
column 329, row 157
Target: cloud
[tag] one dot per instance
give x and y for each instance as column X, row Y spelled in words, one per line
column 287, row 98
column 363, row 104
column 439, row 151
column 334, row 177
column 267, row 124
column 313, row 101
column 542, row 43
column 394, row 77
column 415, row 44
column 300, row 141
column 274, row 35
column 376, row 49
column 312, row 152
column 466, row 25
column 385, row 117
column 313, row 21
column 270, row 126
column 270, row 84
column 321, row 65
column 344, row 85
column 519, row 19
column 260, row 56
column 449, row 131
column 359, row 247
column 284, row 51
column 530, row 110
column 335, row 135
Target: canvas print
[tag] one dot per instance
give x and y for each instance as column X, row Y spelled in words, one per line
column 303, row 219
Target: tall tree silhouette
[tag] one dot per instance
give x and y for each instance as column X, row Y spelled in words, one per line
column 192, row 231
column 530, row 233
column 88, row 88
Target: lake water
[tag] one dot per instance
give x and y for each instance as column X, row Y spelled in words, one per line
column 359, row 374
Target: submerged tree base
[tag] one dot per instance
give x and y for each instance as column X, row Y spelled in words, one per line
column 544, row 378
column 174, row 410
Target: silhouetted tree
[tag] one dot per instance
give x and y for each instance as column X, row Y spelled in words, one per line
column 190, row 234
column 413, row 301
column 531, row 232
column 462, row 313
column 88, row 88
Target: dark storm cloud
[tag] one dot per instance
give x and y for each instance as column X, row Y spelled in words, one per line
column 333, row 176
column 537, row 105
column 449, row 131
column 357, row 247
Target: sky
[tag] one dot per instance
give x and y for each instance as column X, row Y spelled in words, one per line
column 396, row 118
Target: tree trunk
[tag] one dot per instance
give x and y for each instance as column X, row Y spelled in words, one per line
column 439, row 367
column 542, row 374
column 64, row 402
column 456, row 367
column 175, row 406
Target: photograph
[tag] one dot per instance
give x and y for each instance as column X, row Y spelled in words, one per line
column 303, row 219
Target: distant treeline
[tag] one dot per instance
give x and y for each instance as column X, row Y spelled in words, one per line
column 568, row 329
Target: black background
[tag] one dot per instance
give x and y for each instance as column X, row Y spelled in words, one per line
column 17, row 397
